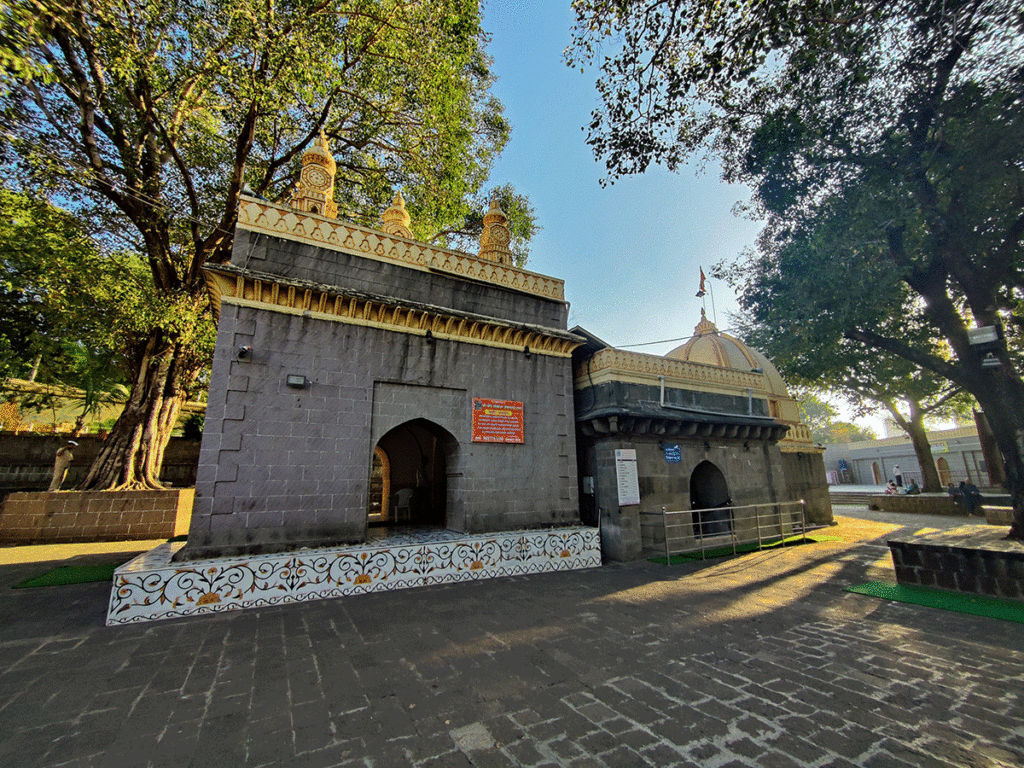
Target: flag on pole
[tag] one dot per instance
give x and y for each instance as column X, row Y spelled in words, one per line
column 701, row 292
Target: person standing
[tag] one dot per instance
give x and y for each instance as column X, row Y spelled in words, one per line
column 61, row 461
column 898, row 474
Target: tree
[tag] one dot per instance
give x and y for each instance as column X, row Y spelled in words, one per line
column 63, row 305
column 883, row 142
column 148, row 119
column 820, row 416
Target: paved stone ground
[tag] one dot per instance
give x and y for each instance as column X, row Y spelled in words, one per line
column 761, row 660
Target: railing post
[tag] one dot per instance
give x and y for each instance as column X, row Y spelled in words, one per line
column 732, row 528
column 757, row 522
column 803, row 520
column 664, row 527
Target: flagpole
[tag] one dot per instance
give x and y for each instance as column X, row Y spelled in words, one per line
column 714, row 314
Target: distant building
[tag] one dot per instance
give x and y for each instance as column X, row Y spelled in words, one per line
column 958, row 453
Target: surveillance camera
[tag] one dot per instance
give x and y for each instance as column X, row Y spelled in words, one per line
column 244, row 351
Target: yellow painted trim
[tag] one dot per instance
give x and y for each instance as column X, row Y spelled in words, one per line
column 372, row 313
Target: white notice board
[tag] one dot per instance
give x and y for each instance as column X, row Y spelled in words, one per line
column 625, row 473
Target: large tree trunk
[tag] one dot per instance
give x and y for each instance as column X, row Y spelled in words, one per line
column 134, row 450
column 930, row 482
column 1003, row 403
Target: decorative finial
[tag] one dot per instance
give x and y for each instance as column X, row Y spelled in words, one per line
column 495, row 238
column 705, row 326
column 396, row 218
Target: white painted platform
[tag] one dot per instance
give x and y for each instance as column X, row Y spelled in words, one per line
column 151, row 587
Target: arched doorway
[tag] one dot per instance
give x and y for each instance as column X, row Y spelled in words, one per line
column 412, row 459
column 945, row 476
column 709, row 490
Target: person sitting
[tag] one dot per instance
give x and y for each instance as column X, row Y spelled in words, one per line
column 891, row 488
column 913, row 487
column 972, row 498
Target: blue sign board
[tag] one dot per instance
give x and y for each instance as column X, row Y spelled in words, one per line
column 672, row 453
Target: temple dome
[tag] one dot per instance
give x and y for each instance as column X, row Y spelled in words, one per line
column 709, row 346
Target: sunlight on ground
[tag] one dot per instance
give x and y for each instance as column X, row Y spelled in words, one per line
column 760, row 582
column 45, row 552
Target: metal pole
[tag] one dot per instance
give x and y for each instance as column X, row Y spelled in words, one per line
column 757, row 522
column 700, row 531
column 664, row 526
column 732, row 529
column 803, row 520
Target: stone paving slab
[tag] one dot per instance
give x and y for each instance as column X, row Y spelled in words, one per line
column 760, row 660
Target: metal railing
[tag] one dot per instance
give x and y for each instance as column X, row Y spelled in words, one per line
column 696, row 530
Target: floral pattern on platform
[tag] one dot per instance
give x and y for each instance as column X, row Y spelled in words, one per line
column 151, row 587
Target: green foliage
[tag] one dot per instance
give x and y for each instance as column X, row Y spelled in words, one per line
column 820, row 416
column 148, row 119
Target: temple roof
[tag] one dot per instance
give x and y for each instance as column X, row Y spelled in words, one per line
column 709, row 346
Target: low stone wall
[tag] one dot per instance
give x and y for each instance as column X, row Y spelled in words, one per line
column 70, row 516
column 922, row 504
column 973, row 559
column 998, row 515
column 26, row 461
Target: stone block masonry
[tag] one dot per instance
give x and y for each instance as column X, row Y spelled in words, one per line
column 76, row 516
column 346, row 347
column 975, row 560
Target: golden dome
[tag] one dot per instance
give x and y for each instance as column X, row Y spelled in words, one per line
column 709, row 346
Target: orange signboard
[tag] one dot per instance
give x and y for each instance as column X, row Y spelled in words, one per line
column 497, row 421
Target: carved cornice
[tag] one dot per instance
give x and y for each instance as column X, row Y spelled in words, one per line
column 637, row 363
column 289, row 224
column 229, row 285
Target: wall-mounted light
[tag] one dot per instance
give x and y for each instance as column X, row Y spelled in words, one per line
column 295, row 381
column 429, row 337
column 244, row 351
column 746, row 446
column 526, row 350
column 707, row 446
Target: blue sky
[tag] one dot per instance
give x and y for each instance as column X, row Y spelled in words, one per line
column 629, row 253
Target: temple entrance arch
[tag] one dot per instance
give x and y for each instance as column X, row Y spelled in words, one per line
column 708, row 490
column 417, row 455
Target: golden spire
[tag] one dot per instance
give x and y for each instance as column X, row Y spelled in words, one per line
column 705, row 326
column 396, row 218
column 495, row 238
column 315, row 191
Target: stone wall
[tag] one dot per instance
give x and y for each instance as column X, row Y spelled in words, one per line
column 922, row 504
column 282, row 467
column 754, row 475
column 331, row 267
column 805, row 479
column 26, row 461
column 60, row 517
column 975, row 560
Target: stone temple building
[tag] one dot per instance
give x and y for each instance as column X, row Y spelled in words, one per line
column 362, row 377
column 365, row 379
column 710, row 424
column 386, row 414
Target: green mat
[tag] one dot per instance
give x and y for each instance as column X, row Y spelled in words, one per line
column 71, row 574
column 741, row 549
column 975, row 605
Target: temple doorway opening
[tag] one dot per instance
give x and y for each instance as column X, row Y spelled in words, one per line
column 408, row 481
column 708, row 492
